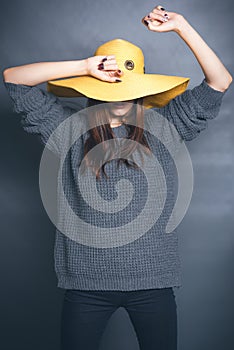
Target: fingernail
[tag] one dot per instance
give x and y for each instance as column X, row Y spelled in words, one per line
column 162, row 8
column 118, row 80
column 146, row 23
column 104, row 59
column 165, row 14
column 119, row 71
column 148, row 16
column 101, row 66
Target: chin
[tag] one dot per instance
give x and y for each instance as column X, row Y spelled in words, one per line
column 118, row 112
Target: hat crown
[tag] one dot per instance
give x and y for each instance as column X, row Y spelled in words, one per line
column 129, row 57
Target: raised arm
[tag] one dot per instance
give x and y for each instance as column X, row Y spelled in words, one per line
column 41, row 111
column 40, row 72
column 216, row 75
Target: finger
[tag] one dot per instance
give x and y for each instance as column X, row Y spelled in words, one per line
column 158, row 17
column 115, row 73
column 111, row 78
column 160, row 10
column 145, row 21
column 105, row 58
column 118, row 73
column 161, row 13
column 110, row 62
column 160, row 7
column 110, row 67
column 155, row 26
column 115, row 80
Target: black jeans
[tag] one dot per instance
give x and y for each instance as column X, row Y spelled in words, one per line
column 153, row 313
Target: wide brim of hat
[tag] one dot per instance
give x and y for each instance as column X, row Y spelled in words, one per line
column 157, row 90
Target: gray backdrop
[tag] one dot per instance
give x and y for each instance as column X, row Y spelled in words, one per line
column 33, row 31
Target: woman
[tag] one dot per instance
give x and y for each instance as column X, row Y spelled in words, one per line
column 139, row 275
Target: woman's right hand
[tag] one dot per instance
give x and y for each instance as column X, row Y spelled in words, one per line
column 104, row 68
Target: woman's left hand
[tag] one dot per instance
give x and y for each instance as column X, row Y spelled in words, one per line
column 160, row 20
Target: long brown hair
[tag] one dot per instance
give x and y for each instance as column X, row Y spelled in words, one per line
column 98, row 114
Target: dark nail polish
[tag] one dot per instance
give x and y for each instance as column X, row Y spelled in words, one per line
column 146, row 23
column 101, row 66
column 119, row 71
column 148, row 16
column 104, row 59
column 162, row 8
column 165, row 14
column 118, row 80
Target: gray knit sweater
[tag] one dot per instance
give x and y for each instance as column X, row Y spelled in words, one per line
column 127, row 260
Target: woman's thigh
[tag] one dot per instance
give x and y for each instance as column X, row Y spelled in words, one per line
column 84, row 317
column 153, row 313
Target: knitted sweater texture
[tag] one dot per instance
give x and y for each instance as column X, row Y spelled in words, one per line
column 105, row 249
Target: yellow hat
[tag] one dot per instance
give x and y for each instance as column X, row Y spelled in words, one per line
column 157, row 90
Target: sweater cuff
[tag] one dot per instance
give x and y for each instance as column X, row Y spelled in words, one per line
column 207, row 96
column 16, row 90
column 29, row 98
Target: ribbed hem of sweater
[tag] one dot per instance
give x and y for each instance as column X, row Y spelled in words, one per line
column 66, row 281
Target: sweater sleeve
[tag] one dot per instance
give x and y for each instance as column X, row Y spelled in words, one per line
column 41, row 111
column 190, row 111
